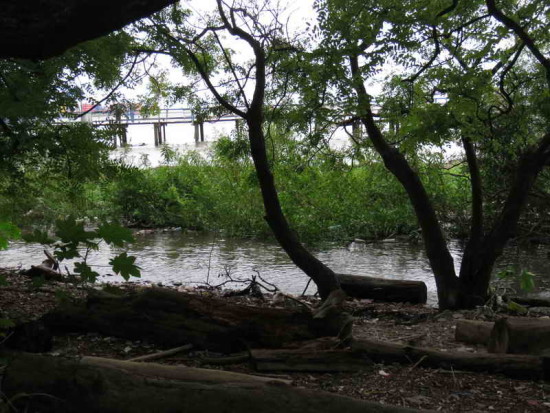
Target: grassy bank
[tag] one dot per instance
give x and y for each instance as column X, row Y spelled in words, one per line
column 325, row 196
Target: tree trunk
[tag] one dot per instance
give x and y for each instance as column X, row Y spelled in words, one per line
column 473, row 332
column 479, row 260
column 169, row 318
column 323, row 276
column 49, row 384
column 382, row 289
column 441, row 261
column 520, row 336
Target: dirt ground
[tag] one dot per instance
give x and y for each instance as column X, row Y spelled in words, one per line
column 411, row 386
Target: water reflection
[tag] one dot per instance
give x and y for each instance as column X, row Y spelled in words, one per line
column 190, row 258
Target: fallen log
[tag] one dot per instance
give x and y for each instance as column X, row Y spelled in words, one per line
column 473, row 331
column 365, row 352
column 305, row 360
column 382, row 289
column 533, row 299
column 170, row 318
column 50, row 384
column 518, row 335
column 517, row 366
column 162, row 354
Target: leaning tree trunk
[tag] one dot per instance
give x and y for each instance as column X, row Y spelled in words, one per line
column 440, row 258
column 325, row 279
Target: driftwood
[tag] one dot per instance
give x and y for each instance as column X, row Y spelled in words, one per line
column 383, row 289
column 47, row 269
column 473, row 331
column 103, row 385
column 170, row 319
column 520, row 336
column 44, row 270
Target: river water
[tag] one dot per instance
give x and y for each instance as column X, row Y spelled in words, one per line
column 195, row 258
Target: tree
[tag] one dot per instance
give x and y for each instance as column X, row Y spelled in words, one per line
column 461, row 52
column 204, row 51
column 38, row 29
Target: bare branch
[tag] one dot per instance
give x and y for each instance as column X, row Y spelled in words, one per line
column 118, row 85
column 521, row 33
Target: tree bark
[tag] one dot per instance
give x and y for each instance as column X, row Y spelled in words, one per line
column 382, row 289
column 169, row 318
column 520, row 336
column 101, row 385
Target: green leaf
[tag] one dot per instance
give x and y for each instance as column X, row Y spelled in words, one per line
column 66, row 252
column 8, row 231
column 123, row 264
column 71, row 231
column 527, row 281
column 38, row 236
column 115, row 234
column 85, row 272
column 505, row 274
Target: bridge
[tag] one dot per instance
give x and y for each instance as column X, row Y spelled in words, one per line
column 121, row 120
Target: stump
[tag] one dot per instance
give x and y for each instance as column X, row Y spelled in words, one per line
column 51, row 384
column 382, row 289
column 520, row 336
column 473, row 331
column 169, row 318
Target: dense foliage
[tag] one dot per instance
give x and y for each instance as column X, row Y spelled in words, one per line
column 474, row 74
